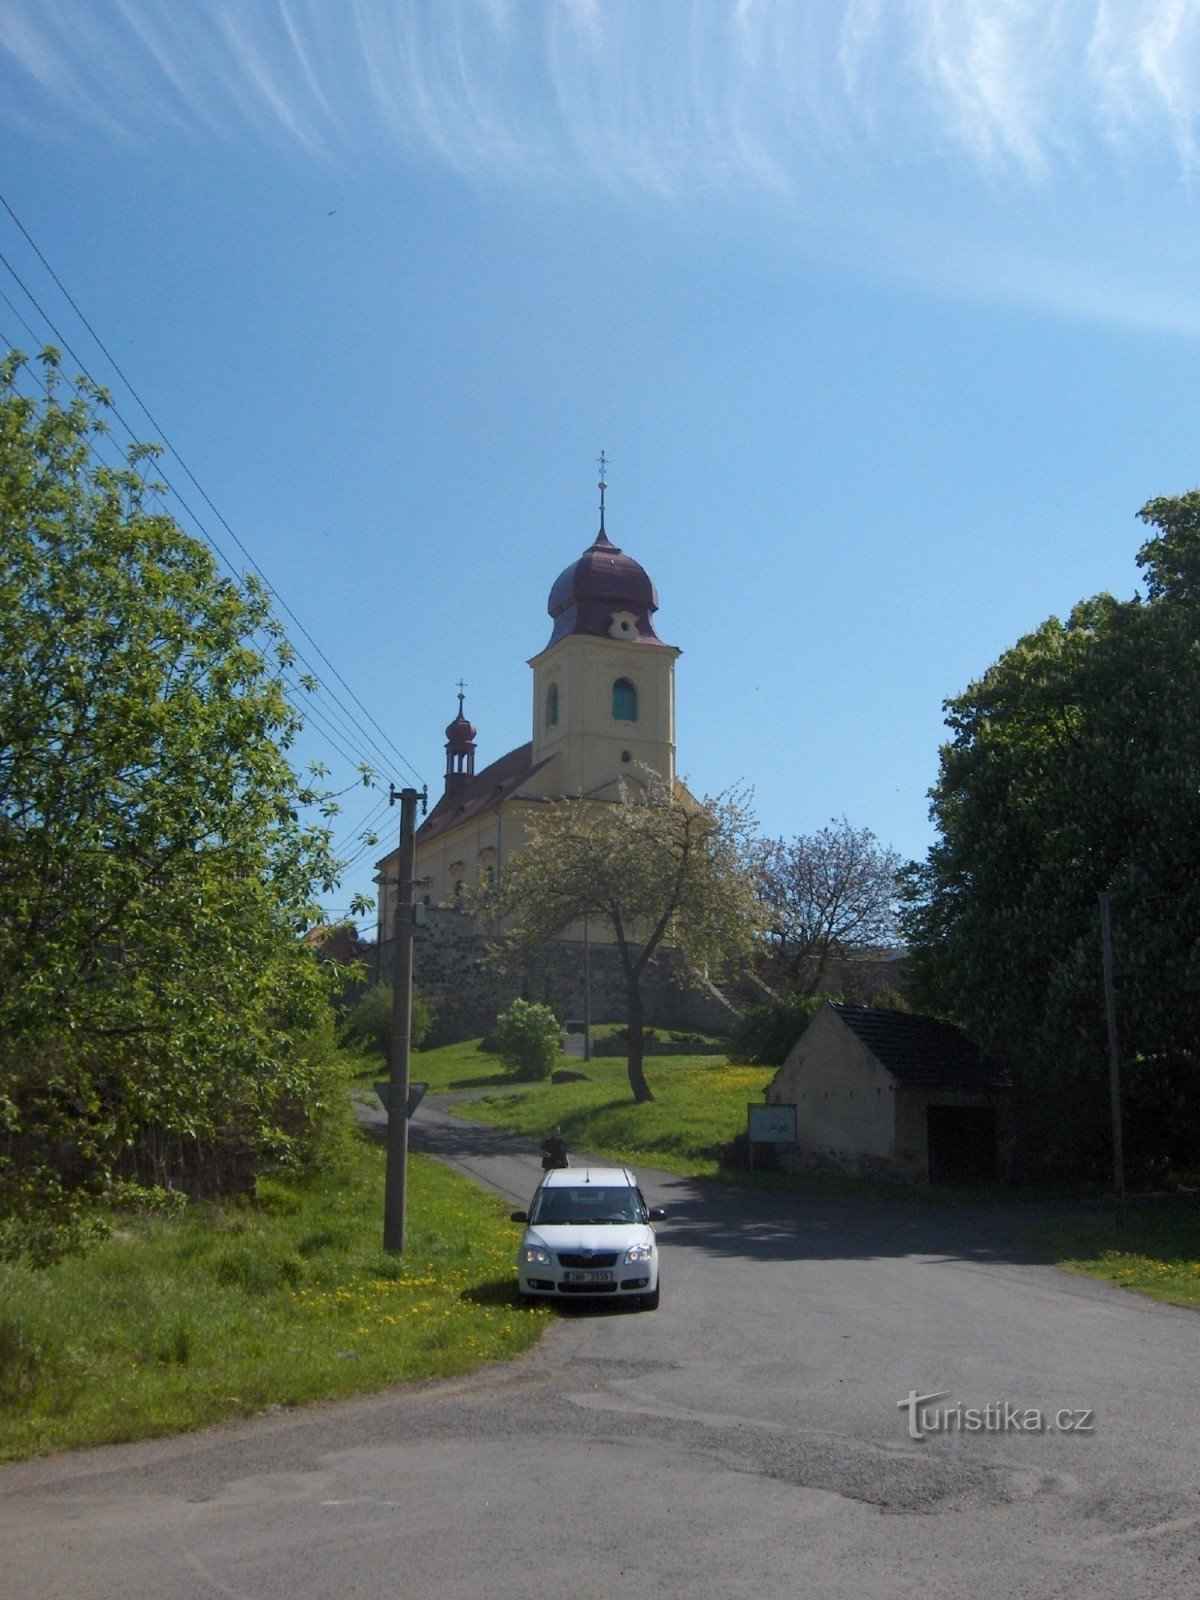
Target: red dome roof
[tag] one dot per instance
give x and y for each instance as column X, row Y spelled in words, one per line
column 602, row 582
column 460, row 731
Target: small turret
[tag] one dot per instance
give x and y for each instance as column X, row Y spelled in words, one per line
column 460, row 750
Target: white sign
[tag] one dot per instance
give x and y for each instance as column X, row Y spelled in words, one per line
column 771, row 1124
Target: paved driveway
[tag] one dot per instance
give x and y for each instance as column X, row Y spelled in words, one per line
column 742, row 1441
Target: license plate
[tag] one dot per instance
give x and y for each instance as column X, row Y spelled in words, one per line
column 588, row 1277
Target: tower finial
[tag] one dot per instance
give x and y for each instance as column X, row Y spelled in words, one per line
column 603, row 464
column 461, row 696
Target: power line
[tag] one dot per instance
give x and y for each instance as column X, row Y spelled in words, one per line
column 253, row 565
column 307, row 709
column 363, row 733
column 374, row 816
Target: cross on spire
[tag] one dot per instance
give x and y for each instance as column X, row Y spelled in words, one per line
column 603, row 465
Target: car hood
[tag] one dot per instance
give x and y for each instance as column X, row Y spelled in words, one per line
column 590, row 1236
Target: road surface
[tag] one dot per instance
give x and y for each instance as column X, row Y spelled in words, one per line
column 745, row 1440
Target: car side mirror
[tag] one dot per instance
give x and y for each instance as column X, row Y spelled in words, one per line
column 517, row 1216
column 657, row 1214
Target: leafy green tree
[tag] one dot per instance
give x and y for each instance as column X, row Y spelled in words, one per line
column 528, row 1038
column 156, row 1005
column 764, row 1033
column 659, row 868
column 370, row 1019
column 1074, row 767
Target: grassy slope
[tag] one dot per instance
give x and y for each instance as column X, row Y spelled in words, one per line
column 172, row 1324
column 699, row 1105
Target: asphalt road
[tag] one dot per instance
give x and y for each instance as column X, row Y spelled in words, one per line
column 744, row 1440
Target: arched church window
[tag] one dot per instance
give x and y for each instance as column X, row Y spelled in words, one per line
column 624, row 701
column 552, row 706
column 485, row 866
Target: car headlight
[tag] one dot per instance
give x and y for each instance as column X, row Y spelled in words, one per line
column 639, row 1252
column 534, row 1255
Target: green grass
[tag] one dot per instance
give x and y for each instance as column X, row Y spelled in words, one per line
column 699, row 1105
column 1156, row 1251
column 172, row 1324
column 448, row 1068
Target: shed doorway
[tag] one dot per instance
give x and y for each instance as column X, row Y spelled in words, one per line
column 962, row 1144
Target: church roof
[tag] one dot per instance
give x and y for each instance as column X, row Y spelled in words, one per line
column 480, row 792
column 920, row 1051
column 602, row 582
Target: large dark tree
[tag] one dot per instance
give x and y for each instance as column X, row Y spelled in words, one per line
column 154, row 879
column 1073, row 767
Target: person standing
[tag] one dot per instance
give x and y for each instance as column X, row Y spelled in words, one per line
column 554, row 1149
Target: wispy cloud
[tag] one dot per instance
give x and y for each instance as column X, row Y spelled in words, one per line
column 1008, row 101
column 662, row 96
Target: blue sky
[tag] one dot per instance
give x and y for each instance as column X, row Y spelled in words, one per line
column 886, row 312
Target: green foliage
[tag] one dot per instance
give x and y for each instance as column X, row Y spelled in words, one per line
column 159, row 1016
column 1074, row 767
column 370, row 1019
column 763, row 1034
column 527, row 1035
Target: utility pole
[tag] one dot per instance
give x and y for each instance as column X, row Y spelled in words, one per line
column 587, row 993
column 1114, row 1066
column 396, row 1181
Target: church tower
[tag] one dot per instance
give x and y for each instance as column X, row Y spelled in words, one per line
column 603, row 710
column 604, row 686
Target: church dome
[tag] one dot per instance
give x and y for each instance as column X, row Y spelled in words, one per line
column 605, row 593
column 461, row 730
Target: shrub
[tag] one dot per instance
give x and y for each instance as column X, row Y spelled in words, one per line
column 527, row 1037
column 370, row 1020
column 763, row 1034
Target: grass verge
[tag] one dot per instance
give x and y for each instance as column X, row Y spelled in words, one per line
column 699, row 1107
column 1155, row 1251
column 173, row 1324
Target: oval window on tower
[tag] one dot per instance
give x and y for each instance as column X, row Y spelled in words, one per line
column 624, row 701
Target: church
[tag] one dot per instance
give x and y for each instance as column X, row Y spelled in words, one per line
column 603, row 709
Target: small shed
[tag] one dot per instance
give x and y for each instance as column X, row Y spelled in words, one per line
column 894, row 1092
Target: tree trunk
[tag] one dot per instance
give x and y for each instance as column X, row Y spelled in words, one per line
column 637, row 1043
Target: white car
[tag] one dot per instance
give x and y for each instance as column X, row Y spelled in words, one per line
column 587, row 1232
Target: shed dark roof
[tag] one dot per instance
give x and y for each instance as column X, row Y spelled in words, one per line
column 920, row 1051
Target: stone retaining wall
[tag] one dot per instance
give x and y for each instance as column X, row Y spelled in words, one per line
column 454, row 969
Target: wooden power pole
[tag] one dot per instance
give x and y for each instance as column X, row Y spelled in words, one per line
column 396, row 1180
column 1114, row 1062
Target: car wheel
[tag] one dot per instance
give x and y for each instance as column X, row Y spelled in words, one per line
column 650, row 1301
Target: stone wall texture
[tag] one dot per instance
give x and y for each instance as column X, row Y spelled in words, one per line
column 455, row 969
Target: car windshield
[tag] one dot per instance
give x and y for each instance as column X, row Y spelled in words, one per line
column 588, row 1203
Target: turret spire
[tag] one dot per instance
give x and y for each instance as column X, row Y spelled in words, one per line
column 602, row 486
